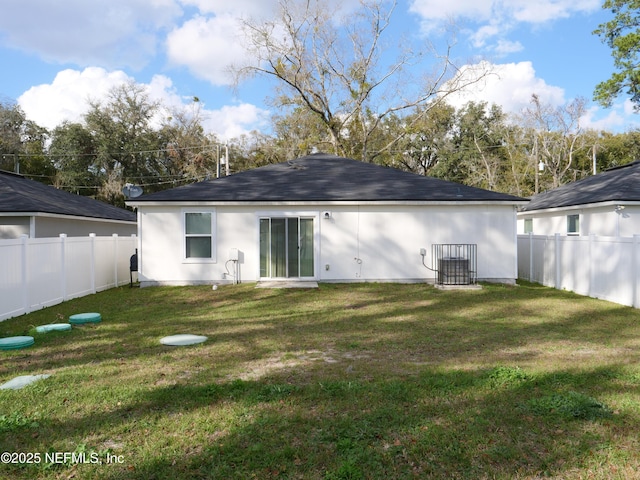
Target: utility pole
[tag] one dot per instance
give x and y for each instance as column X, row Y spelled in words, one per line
column 226, row 158
column 222, row 160
column 536, row 166
column 217, row 161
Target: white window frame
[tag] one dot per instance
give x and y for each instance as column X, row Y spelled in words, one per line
column 577, row 231
column 184, row 236
column 528, row 225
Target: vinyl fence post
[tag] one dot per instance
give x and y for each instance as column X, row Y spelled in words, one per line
column 592, row 277
column 558, row 260
column 63, row 265
column 135, row 240
column 92, row 261
column 115, row 258
column 531, row 256
column 24, row 265
column 635, row 281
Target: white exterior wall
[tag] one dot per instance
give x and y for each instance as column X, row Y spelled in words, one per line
column 357, row 243
column 602, row 220
column 14, row 227
column 47, row 226
column 78, row 227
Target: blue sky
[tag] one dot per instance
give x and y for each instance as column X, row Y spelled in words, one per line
column 56, row 55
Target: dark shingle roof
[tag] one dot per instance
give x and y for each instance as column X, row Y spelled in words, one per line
column 321, row 177
column 614, row 185
column 21, row 195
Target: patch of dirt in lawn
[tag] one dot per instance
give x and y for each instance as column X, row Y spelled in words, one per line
column 297, row 360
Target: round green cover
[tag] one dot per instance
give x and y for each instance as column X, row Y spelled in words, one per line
column 53, row 326
column 85, row 318
column 11, row 343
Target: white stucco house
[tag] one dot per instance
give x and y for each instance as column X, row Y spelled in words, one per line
column 322, row 218
column 31, row 208
column 606, row 204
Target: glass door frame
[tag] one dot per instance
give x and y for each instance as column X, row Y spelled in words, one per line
column 314, row 216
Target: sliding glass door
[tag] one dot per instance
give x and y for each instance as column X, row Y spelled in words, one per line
column 286, row 247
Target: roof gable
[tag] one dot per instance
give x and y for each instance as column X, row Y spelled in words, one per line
column 322, row 177
column 19, row 194
column 614, row 185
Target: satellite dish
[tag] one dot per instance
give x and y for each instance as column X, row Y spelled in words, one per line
column 131, row 191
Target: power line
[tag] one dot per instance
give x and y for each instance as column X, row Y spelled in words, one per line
column 203, row 148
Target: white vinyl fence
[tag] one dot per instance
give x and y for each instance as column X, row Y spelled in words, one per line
column 601, row 267
column 40, row 272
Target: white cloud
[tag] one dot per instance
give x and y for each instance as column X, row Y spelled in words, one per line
column 619, row 118
column 113, row 33
column 480, row 11
column 207, row 46
column 497, row 18
column 234, row 120
column 480, row 37
column 235, row 7
column 504, row 47
column 208, row 43
column 543, row 11
column 67, row 98
column 629, row 107
column 510, row 85
column 438, row 11
column 613, row 121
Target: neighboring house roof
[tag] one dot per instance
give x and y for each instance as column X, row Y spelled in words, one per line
column 21, row 195
column 617, row 184
column 323, row 177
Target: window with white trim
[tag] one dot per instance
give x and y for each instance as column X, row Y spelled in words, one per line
column 573, row 224
column 199, row 241
column 528, row 225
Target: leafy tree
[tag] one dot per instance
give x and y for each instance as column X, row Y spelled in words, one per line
column 617, row 149
column 622, row 35
column 22, row 144
column 478, row 140
column 12, row 120
column 296, row 132
column 254, row 149
column 189, row 153
column 428, row 140
column 33, row 161
column 128, row 148
column 299, row 133
column 73, row 152
column 331, row 65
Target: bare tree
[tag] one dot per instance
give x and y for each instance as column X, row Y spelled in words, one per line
column 332, row 64
column 520, row 166
column 558, row 135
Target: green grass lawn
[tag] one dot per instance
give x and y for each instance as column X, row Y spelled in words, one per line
column 359, row 381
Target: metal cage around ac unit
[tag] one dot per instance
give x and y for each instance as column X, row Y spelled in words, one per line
column 455, row 263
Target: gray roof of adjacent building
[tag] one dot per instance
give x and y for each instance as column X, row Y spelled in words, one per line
column 618, row 184
column 21, row 195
